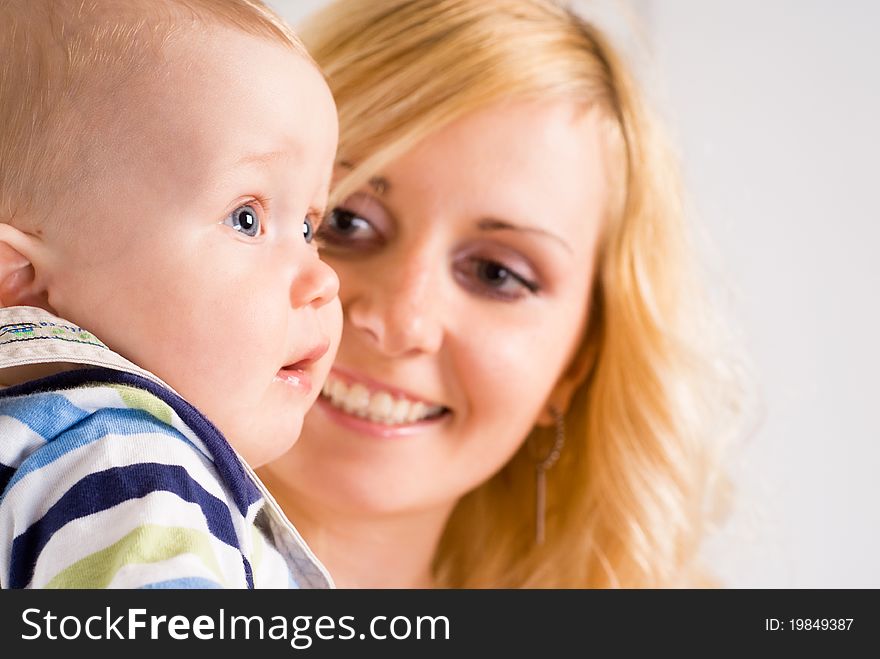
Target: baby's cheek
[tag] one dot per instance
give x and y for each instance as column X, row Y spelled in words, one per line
column 331, row 323
column 196, row 359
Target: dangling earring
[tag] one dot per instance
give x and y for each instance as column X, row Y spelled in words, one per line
column 542, row 465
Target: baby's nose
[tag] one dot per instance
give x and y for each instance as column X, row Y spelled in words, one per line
column 315, row 285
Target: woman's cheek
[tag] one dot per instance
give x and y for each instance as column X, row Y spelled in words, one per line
column 522, row 361
column 506, row 366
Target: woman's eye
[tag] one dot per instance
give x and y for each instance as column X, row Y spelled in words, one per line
column 494, row 279
column 244, row 219
column 308, row 230
column 343, row 228
column 496, row 275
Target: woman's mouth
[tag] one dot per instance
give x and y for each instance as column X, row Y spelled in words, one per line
column 376, row 404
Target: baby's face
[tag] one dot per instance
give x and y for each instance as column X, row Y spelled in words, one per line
column 192, row 255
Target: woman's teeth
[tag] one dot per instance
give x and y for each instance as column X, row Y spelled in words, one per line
column 380, row 406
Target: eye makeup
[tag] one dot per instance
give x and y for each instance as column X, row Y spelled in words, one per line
column 360, row 224
column 483, row 266
column 494, row 271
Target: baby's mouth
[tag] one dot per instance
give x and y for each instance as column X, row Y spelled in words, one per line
column 378, row 405
column 297, row 373
column 295, row 377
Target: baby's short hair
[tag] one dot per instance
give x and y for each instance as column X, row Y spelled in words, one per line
column 61, row 58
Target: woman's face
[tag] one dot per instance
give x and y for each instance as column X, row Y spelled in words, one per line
column 465, row 272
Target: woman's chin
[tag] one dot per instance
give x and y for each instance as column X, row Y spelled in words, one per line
column 369, row 488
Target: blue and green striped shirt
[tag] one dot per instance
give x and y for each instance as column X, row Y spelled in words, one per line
column 109, row 479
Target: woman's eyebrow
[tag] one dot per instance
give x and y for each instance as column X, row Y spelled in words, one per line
column 494, row 224
column 379, row 184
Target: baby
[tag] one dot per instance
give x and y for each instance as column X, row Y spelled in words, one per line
column 163, row 169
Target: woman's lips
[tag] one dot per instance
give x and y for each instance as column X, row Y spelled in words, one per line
column 372, row 428
column 350, row 379
column 368, row 406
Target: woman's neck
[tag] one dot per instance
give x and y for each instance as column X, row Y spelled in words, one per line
column 369, row 551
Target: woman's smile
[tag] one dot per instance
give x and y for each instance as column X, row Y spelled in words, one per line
column 369, row 406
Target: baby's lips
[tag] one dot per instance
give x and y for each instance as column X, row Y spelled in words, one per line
column 309, row 357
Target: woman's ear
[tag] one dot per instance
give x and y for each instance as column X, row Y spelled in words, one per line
column 575, row 375
column 20, row 284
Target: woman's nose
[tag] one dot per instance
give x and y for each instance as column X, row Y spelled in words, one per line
column 315, row 285
column 400, row 313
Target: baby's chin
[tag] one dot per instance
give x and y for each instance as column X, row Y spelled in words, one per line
column 264, row 427
column 267, row 442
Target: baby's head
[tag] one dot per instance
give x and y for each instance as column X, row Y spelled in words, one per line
column 163, row 167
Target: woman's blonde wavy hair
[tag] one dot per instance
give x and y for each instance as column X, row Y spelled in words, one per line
column 636, row 488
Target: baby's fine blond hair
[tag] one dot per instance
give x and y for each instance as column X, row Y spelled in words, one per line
column 64, row 65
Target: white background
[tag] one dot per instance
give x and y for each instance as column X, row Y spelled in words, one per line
column 775, row 107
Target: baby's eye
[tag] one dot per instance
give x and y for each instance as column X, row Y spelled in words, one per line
column 308, row 230
column 244, row 219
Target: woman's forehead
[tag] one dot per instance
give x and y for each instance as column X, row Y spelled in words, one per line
column 529, row 160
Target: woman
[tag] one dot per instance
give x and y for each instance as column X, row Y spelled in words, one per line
column 526, row 394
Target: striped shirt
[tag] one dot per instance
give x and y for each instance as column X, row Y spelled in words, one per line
column 108, row 478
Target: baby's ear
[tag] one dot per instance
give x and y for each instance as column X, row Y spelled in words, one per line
column 19, row 284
